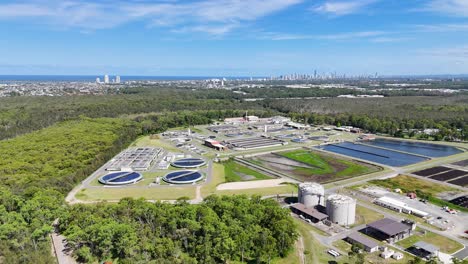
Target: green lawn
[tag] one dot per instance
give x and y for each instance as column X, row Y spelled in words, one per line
column 445, row 244
column 235, row 172
column 146, row 141
column 149, row 193
column 218, row 177
column 332, row 167
column 342, row 245
column 408, row 183
column 315, row 253
column 310, row 158
column 285, row 189
column 365, row 215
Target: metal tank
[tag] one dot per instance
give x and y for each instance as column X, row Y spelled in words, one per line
column 341, row 209
column 311, row 194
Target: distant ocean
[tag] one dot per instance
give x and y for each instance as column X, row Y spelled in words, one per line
column 92, row 78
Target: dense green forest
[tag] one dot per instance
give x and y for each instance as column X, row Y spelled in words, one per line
column 39, row 168
column 219, row 230
column 288, row 92
column 59, row 156
column 20, row 115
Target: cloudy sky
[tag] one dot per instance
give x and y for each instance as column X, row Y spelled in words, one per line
column 233, row 37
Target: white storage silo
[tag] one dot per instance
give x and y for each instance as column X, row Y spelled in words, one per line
column 311, row 194
column 341, row 209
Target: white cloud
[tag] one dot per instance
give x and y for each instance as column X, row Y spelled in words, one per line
column 339, row 36
column 388, row 39
column 442, row 28
column 450, row 7
column 212, row 17
column 23, row 10
column 353, row 35
column 210, row 29
column 452, row 52
column 340, row 8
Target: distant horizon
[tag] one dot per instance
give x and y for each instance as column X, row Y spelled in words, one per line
column 92, row 77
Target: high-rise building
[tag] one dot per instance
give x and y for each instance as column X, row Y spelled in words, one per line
column 117, row 79
column 106, row 78
column 98, row 80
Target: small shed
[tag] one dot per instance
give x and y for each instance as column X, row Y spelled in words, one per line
column 387, row 254
column 397, row 255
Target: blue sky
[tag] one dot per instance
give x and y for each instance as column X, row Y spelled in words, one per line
column 233, row 37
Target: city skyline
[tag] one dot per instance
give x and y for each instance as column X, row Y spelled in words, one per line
column 234, row 38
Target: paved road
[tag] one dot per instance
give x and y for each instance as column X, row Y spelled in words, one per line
column 300, row 249
column 462, row 254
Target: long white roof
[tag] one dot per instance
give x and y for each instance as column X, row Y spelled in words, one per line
column 395, row 202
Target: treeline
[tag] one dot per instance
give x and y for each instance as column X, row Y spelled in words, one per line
column 396, row 116
column 19, row 115
column 390, row 115
column 288, row 92
column 220, row 230
column 160, row 122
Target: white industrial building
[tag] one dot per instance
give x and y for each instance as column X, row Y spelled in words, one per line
column 297, row 125
column 399, row 206
column 311, row 194
column 341, row 209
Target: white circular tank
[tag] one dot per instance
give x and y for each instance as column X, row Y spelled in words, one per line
column 311, row 194
column 341, row 209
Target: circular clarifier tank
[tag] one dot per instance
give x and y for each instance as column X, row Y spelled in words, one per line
column 120, row 178
column 189, row 163
column 183, row 177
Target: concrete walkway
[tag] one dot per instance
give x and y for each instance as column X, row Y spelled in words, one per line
column 61, row 253
column 252, row 184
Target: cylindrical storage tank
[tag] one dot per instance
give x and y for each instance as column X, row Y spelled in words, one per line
column 311, row 194
column 341, row 209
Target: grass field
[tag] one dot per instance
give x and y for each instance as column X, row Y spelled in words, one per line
column 218, row 177
column 408, row 183
column 315, row 253
column 308, row 165
column 146, row 141
column 149, row 193
column 365, row 215
column 445, row 244
column 235, row 172
column 285, row 189
column 325, row 164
